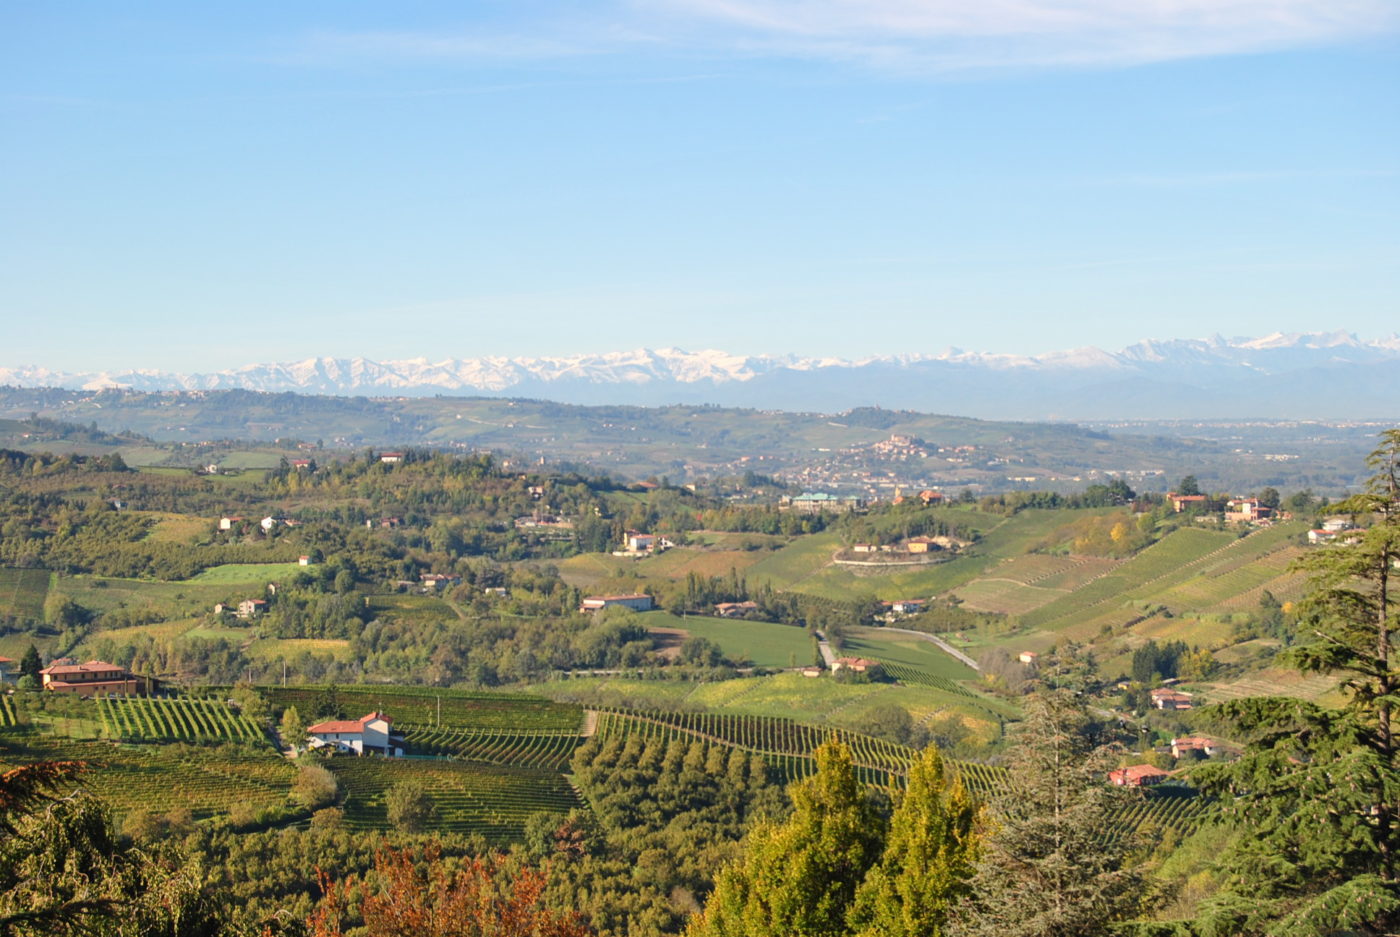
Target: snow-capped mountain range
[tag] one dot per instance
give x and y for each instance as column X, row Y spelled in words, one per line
column 1281, row 375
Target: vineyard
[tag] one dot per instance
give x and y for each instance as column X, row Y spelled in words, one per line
column 545, row 750
column 208, row 781
column 8, row 716
column 1164, row 808
column 494, row 801
column 22, row 592
column 166, row 720
column 911, row 675
column 421, row 706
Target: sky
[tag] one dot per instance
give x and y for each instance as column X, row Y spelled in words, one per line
column 192, row 187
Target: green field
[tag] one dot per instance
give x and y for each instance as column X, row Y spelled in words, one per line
column 209, row 781
column 428, row 706
column 493, row 801
column 762, row 643
column 545, row 749
column 22, row 592
column 408, row 607
column 243, row 573
column 175, row 720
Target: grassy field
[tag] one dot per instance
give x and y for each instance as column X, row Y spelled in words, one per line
column 179, row 528
column 209, row 781
column 882, row 645
column 494, row 801
column 293, row 647
column 424, row 706
column 244, row 573
column 23, row 591
column 766, row 645
column 407, row 607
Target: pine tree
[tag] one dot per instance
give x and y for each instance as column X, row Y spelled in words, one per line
column 930, row 856
column 1317, row 794
column 1047, row 868
column 30, row 664
column 799, row 877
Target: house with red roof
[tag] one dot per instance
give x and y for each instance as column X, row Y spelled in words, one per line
column 1138, row 776
column 370, row 734
column 94, row 678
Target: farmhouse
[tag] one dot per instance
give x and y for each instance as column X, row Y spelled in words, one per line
column 1193, row 744
column 300, row 464
column 816, row 502
column 920, row 544
column 735, row 609
column 1245, row 511
column 1171, row 699
column 226, row 523
column 638, row 542
column 93, row 678
column 928, row 496
column 854, row 664
column 251, row 608
column 908, row 606
column 1137, row 776
column 438, row 580
column 390, row 458
column 1188, row 502
column 639, row 602
column 1028, row 657
column 371, row 733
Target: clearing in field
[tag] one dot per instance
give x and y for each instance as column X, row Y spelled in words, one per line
column 243, row 573
column 23, row 591
column 290, row 648
column 178, row 528
column 763, row 643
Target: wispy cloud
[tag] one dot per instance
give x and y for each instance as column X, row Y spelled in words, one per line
column 904, row 36
column 957, row 35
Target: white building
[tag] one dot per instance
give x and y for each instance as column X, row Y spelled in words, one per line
column 370, row 733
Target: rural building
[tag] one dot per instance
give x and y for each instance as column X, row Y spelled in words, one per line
column 1337, row 523
column 1205, row 746
column 303, row 560
column 390, row 458
column 438, row 580
column 639, row 602
column 1171, row 699
column 735, row 609
column 931, row 497
column 908, row 606
column 816, row 502
column 638, row 542
column 93, row 678
column 1188, row 502
column 226, row 523
column 854, row 664
column 1138, row 776
column 1245, row 511
column 1321, row 536
column 1028, row 657
column 812, row 671
column 920, row 544
column 300, row 464
column 370, row 734
column 251, row 608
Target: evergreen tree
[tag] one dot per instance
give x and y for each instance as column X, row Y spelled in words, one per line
column 1317, row 794
column 799, row 877
column 930, row 856
column 1047, row 869
column 30, row 664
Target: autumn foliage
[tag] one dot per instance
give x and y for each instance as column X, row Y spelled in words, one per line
column 413, row 893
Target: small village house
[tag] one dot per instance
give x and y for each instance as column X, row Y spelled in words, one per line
column 908, row 606
column 1205, row 746
column 251, row 608
column 854, row 664
column 93, row 678
column 226, row 523
column 1245, row 511
column 638, row 542
column 370, row 734
column 1170, row 699
column 735, row 609
column 391, row 458
column 1138, row 776
column 1028, row 657
column 1182, row 503
column 638, row 602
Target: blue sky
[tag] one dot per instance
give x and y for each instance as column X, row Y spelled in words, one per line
column 199, row 186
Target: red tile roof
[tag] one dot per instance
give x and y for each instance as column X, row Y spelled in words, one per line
column 347, row 725
column 89, row 667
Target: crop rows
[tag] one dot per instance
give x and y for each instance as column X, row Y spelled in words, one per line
column 1161, row 810
column 788, row 747
column 494, row 801
column 162, row 777
column 8, row 716
column 526, row 749
column 139, row 719
column 421, row 706
column 912, row 675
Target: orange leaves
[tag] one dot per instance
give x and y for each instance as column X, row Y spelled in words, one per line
column 414, row 893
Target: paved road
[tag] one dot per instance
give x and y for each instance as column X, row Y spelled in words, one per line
column 827, row 654
column 944, row 645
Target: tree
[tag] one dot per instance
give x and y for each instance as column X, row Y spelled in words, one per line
column 314, row 787
column 1047, row 870
column 30, row 664
column 1318, row 789
column 414, row 894
column 800, row 876
column 293, row 728
column 1188, row 486
column 930, row 856
column 410, row 806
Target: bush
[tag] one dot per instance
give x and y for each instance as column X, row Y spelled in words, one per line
column 315, row 787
